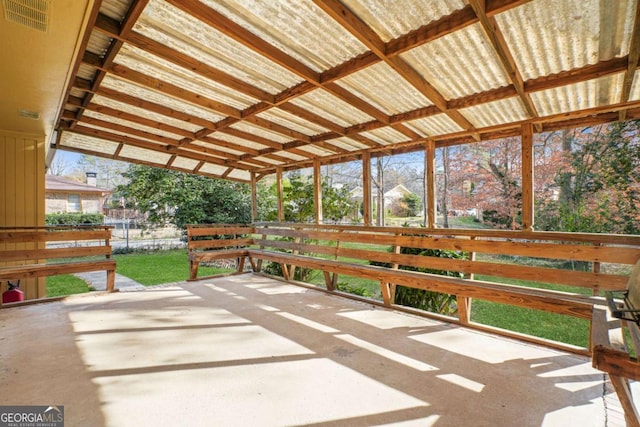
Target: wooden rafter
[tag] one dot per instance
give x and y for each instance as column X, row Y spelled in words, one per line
column 241, row 35
column 129, row 21
column 369, row 38
column 632, row 61
column 495, row 36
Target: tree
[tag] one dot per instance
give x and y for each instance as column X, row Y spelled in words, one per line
column 58, row 166
column 298, row 195
column 109, row 172
column 408, row 205
column 597, row 180
column 181, row 198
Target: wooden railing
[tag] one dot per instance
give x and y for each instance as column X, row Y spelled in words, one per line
column 25, row 253
column 499, row 256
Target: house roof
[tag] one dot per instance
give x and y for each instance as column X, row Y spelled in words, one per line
column 54, row 183
column 397, row 191
column 228, row 88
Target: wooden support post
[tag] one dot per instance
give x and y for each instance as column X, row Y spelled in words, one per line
column 386, row 296
column 623, row 390
column 297, row 240
column 464, row 303
column 334, row 276
column 464, row 309
column 366, row 188
column 280, row 194
column 526, row 143
column 285, row 271
column 596, row 269
column 328, row 281
column 392, row 286
column 430, row 184
column 317, row 190
column 258, row 266
column 254, row 198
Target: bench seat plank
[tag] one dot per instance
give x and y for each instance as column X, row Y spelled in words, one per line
column 556, row 301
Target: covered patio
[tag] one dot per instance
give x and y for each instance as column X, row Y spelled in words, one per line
column 242, row 90
column 247, row 350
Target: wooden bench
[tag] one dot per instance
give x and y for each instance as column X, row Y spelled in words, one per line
column 32, row 252
column 341, row 251
column 213, row 242
column 613, row 350
column 352, row 248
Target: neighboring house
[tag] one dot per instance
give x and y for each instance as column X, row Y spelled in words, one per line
column 66, row 195
column 392, row 198
column 395, row 194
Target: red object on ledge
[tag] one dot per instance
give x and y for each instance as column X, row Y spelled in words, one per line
column 14, row 294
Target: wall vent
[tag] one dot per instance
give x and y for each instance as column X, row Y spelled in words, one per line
column 27, row 114
column 29, row 13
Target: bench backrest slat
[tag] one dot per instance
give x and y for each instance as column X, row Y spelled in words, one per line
column 197, row 231
column 52, row 236
column 71, row 252
column 219, row 243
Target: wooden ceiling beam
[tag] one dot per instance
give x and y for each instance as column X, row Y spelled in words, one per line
column 93, row 15
column 274, row 127
column 230, row 145
column 243, row 36
column 434, row 30
column 495, row 7
column 349, row 67
column 156, row 108
column 198, row 67
column 128, row 130
column 632, row 61
column 356, row 102
column 455, row 21
column 172, row 90
column 211, row 151
column 370, row 38
column 577, row 75
column 294, row 92
column 254, row 138
column 111, row 28
column 311, row 117
column 74, row 101
column 82, row 130
column 497, row 40
column 139, row 120
column 134, row 12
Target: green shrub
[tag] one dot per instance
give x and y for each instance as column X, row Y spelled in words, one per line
column 74, row 219
column 434, row 302
column 301, row 274
column 355, row 289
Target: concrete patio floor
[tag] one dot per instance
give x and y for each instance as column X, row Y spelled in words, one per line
column 251, row 351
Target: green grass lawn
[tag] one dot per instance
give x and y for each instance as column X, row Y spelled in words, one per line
column 148, row 268
column 65, row 284
column 158, row 267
